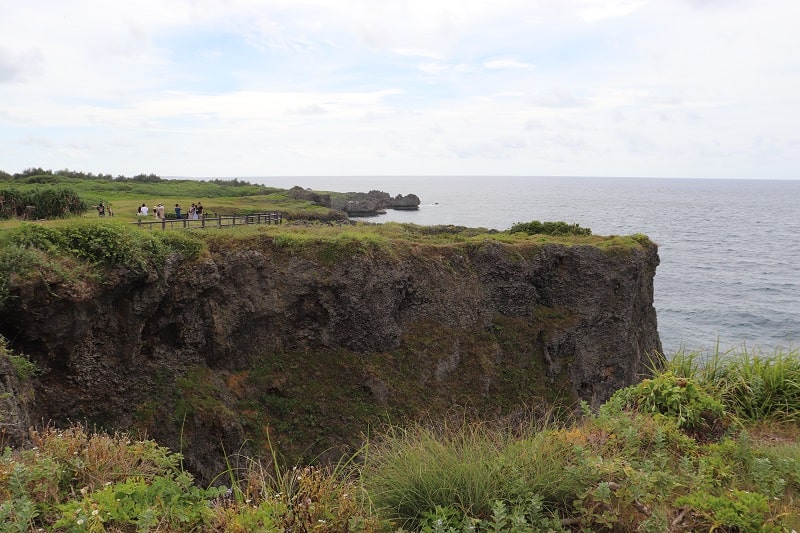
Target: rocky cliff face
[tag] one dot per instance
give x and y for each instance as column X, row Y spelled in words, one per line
column 305, row 348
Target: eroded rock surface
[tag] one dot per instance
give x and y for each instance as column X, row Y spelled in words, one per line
column 210, row 357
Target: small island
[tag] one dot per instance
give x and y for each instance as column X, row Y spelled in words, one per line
column 357, row 204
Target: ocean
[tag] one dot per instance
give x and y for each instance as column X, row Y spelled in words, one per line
column 730, row 249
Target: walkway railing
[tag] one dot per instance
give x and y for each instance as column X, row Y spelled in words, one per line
column 210, row 222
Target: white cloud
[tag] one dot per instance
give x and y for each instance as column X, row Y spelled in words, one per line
column 507, row 64
column 598, row 10
column 403, row 86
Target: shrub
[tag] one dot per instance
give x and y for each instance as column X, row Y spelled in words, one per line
column 549, row 228
column 735, row 511
column 678, row 398
column 49, row 202
column 107, row 244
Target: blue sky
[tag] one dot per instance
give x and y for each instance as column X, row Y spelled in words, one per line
column 207, row 88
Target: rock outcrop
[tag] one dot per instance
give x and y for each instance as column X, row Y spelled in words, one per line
column 372, row 203
column 298, row 193
column 310, row 347
column 16, row 397
column 407, row 202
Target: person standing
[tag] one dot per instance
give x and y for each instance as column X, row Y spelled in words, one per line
column 101, row 209
column 177, row 211
column 199, row 210
column 193, row 212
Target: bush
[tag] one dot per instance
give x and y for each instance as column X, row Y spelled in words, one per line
column 678, row 398
column 41, row 203
column 106, row 244
column 549, row 228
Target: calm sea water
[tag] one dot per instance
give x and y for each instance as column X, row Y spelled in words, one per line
column 730, row 249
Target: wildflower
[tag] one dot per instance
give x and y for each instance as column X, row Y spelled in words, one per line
column 95, row 512
column 80, row 521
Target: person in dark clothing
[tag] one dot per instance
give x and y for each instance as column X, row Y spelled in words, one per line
column 177, row 211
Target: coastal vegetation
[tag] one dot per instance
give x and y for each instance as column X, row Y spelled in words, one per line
column 705, row 442
column 70, row 241
column 124, row 195
column 680, row 451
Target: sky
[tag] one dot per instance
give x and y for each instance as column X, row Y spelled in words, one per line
column 241, row 88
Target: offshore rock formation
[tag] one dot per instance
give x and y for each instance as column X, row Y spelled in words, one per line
column 363, row 204
column 312, row 346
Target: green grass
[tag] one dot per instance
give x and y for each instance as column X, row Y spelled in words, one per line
column 222, row 197
column 626, row 468
column 754, row 386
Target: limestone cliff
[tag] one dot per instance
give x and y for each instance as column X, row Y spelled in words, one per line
column 313, row 346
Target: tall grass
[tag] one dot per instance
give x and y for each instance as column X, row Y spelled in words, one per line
column 412, row 471
column 467, row 467
column 752, row 385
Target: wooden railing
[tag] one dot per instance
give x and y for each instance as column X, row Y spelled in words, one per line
column 210, row 222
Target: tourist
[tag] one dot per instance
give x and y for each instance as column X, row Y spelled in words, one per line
column 177, row 211
column 193, row 212
column 143, row 211
column 101, row 209
column 160, row 211
column 199, row 210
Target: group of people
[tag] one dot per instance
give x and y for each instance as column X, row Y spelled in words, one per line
column 195, row 212
column 103, row 208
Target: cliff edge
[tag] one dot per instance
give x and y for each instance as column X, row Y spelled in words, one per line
column 308, row 347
